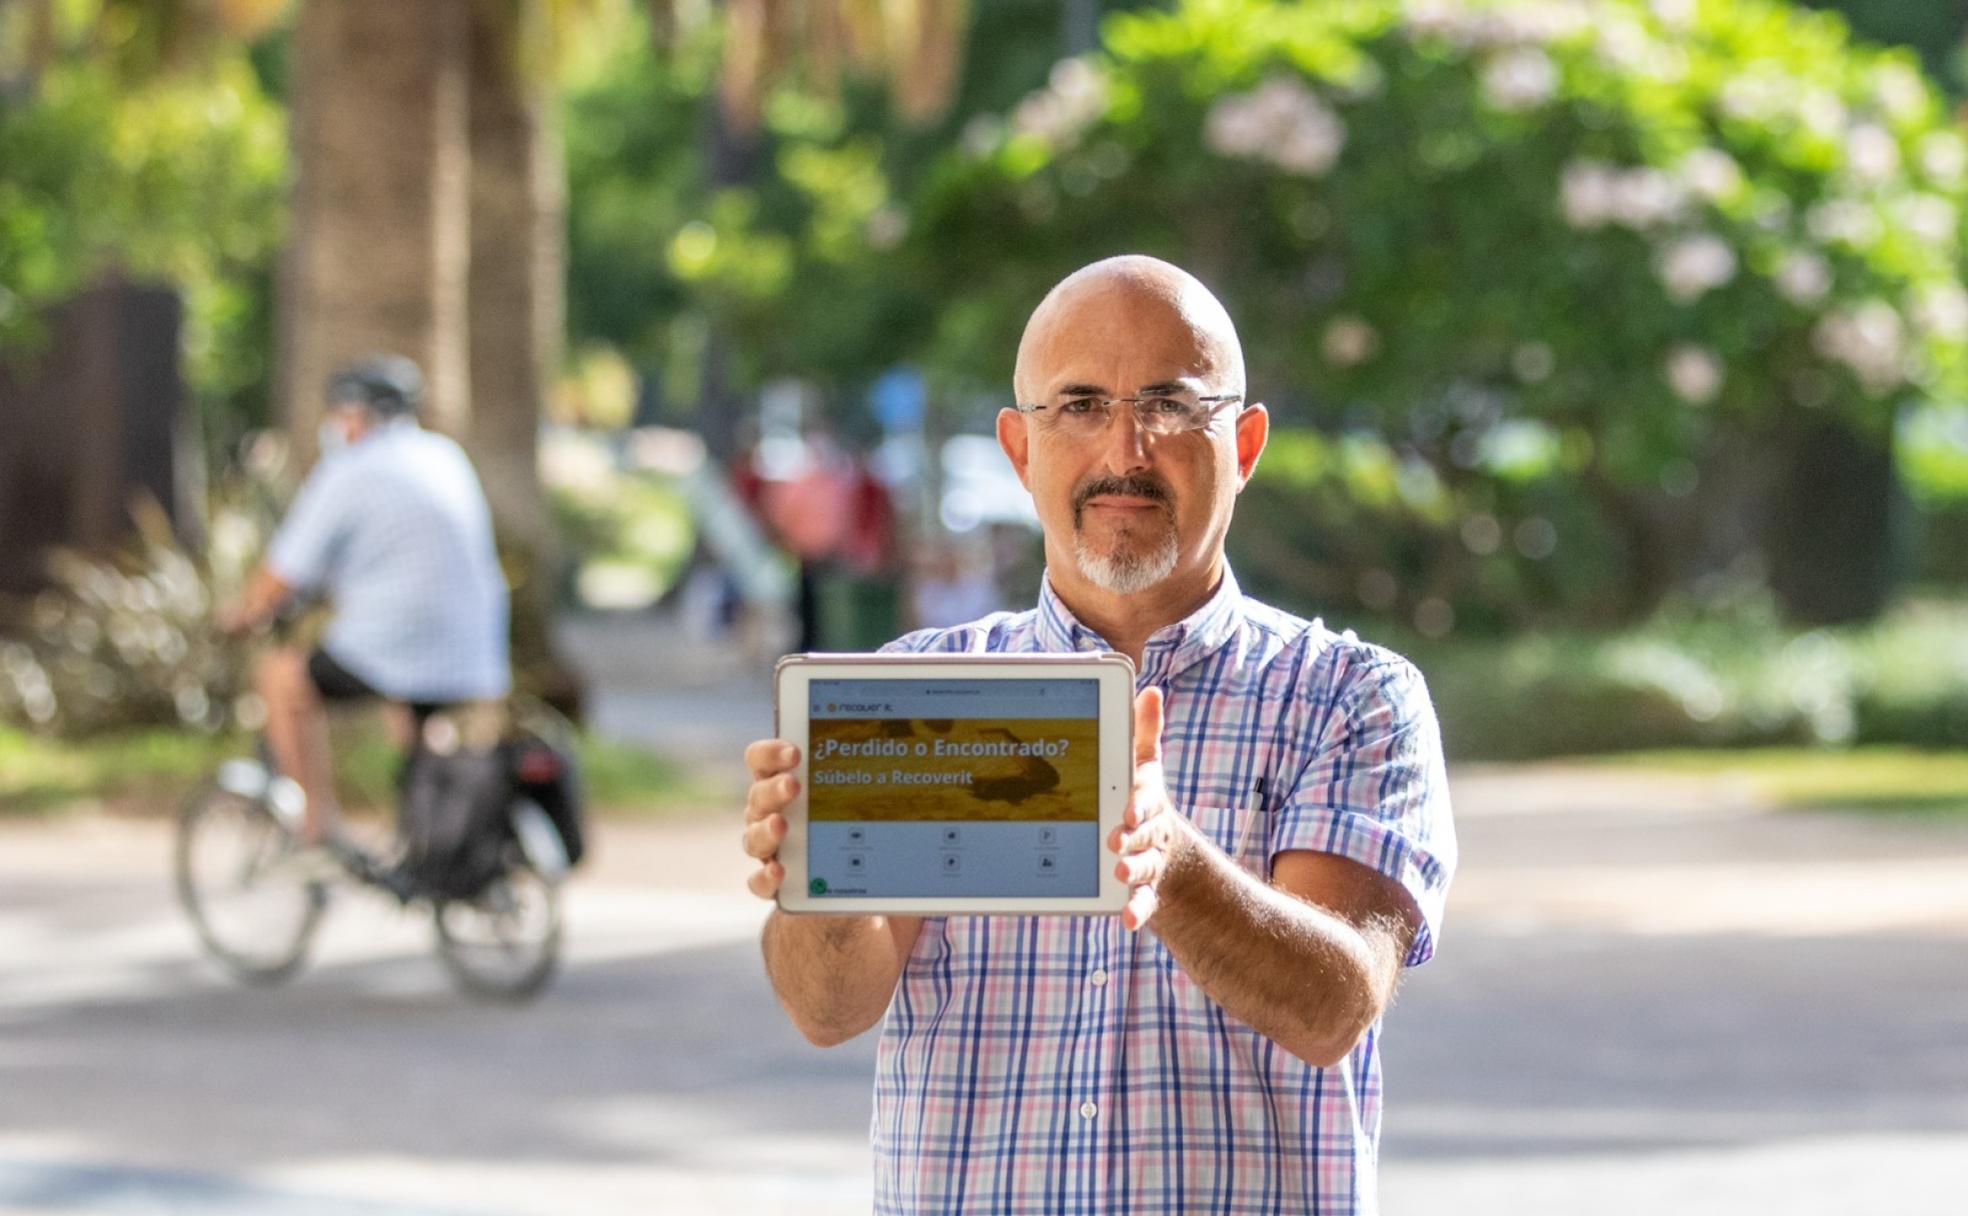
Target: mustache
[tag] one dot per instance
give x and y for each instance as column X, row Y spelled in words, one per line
column 1133, row 485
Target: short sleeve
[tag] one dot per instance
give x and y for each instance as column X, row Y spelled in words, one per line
column 1375, row 790
column 303, row 548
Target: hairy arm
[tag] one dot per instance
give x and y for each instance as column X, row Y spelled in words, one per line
column 1309, row 962
column 834, row 975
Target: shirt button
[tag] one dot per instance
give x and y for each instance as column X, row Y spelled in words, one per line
column 1088, row 1110
column 1098, row 977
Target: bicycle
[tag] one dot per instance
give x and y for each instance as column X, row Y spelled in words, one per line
column 256, row 895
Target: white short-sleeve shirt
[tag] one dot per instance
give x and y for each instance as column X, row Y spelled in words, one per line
column 395, row 530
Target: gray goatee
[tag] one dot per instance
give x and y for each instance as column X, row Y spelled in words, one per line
column 1136, row 568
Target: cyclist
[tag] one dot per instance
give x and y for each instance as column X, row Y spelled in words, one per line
column 392, row 527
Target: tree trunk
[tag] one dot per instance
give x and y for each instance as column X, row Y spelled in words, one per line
column 1833, row 533
column 733, row 160
column 379, row 258
column 1079, row 26
column 517, row 209
column 517, row 220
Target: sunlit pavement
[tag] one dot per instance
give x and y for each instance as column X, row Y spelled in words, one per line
column 1651, row 998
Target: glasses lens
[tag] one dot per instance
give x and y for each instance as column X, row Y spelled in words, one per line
column 1080, row 415
column 1162, row 414
column 1169, row 413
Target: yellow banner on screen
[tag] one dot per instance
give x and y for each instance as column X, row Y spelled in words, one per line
column 970, row 768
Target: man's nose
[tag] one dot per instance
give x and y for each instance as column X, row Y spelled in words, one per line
column 1124, row 441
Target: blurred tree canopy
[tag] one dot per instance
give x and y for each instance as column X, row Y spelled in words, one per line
column 1627, row 284
column 1937, row 31
column 1560, row 304
column 178, row 176
column 780, row 238
column 660, row 251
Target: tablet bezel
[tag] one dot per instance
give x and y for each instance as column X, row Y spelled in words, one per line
column 1114, row 674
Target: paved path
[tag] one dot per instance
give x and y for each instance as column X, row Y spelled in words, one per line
column 651, row 682
column 1653, row 998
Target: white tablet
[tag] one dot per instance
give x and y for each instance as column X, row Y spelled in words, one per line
column 956, row 784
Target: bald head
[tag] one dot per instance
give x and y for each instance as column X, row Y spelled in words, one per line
column 1122, row 304
column 1134, row 513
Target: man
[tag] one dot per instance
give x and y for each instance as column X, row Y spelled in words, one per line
column 1287, row 838
column 392, row 526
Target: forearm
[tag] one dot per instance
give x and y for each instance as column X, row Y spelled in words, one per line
column 265, row 594
column 833, row 974
column 1294, row 972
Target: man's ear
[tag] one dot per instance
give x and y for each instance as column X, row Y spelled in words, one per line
column 1253, row 428
column 1015, row 437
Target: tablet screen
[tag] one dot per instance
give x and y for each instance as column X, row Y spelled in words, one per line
column 958, row 787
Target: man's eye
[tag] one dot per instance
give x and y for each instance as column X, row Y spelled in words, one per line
column 1171, row 407
column 1080, row 405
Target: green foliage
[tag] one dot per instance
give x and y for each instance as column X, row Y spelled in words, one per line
column 1547, row 255
column 630, row 533
column 676, row 231
column 150, row 771
column 628, row 780
column 1707, row 679
column 179, row 178
column 784, row 248
column 1881, row 779
column 1933, row 454
column 1938, row 33
column 154, row 767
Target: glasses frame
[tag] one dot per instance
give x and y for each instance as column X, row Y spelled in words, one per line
column 1107, row 404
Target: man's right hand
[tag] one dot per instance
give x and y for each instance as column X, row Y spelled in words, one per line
column 232, row 620
column 771, row 762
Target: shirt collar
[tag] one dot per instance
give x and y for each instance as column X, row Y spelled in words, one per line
column 1170, row 650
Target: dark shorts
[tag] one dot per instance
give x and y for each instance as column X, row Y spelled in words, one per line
column 337, row 683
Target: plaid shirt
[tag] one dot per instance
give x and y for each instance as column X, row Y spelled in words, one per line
column 1060, row 1064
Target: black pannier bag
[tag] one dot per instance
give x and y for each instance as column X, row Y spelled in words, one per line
column 455, row 825
column 546, row 774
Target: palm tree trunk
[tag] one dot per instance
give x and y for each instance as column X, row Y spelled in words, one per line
column 1836, row 533
column 518, row 206
column 517, row 210
column 379, row 258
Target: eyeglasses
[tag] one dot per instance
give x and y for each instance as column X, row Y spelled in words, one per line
column 1169, row 413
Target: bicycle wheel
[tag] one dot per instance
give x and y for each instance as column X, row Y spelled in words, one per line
column 504, row 943
column 254, row 909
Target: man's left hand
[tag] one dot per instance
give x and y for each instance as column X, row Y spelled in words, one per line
column 1151, row 829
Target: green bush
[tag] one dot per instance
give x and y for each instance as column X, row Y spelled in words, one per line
column 119, row 644
column 128, row 640
column 1731, row 677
